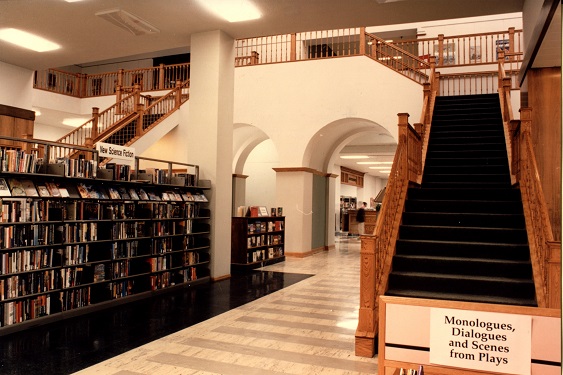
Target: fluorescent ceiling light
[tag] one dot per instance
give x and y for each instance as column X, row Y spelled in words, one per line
column 386, row 171
column 232, row 10
column 27, row 40
column 381, row 167
column 354, row 157
column 375, row 162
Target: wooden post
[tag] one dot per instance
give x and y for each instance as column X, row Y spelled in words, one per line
column 506, row 87
column 362, row 40
column 254, row 58
column 120, row 73
column 437, row 83
column 440, row 49
column 161, row 77
column 178, row 94
column 554, row 275
column 293, row 51
column 137, row 95
column 95, row 117
column 141, row 111
column 511, row 48
column 366, row 331
column 83, row 83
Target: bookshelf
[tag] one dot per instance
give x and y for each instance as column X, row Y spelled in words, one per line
column 72, row 245
column 257, row 242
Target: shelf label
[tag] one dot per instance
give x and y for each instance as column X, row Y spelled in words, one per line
column 479, row 340
column 108, row 150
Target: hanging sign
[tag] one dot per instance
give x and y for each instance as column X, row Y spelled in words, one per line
column 123, row 153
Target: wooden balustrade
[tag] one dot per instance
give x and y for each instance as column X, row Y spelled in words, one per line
column 162, row 77
column 377, row 250
column 545, row 253
column 468, row 49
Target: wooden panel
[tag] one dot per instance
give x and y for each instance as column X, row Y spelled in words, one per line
column 7, row 125
column 544, row 97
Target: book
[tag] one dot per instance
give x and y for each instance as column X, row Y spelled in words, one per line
column 99, row 273
column 133, row 194
column 83, row 190
column 143, row 195
column 43, row 191
column 123, row 192
column 53, row 189
column 113, row 193
column 29, row 188
column 17, row 187
column 4, row 189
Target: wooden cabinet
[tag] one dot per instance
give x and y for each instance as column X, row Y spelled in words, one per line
column 257, row 241
column 369, row 223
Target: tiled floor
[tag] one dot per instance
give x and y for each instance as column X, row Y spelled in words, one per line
column 305, row 328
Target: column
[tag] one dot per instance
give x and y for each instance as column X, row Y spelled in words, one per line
column 239, row 192
column 294, row 188
column 208, row 134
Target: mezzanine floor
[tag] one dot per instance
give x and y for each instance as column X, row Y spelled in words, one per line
column 294, row 317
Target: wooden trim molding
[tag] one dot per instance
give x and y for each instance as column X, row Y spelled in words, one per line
column 303, row 169
column 236, row 175
column 25, row 114
column 544, row 19
column 220, row 278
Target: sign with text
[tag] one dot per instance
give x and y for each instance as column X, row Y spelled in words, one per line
column 108, row 150
column 481, row 340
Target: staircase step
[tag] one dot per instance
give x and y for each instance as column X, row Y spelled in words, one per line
column 467, row 132
column 475, row 206
column 481, row 161
column 463, row 234
column 473, row 139
column 462, row 266
column 464, row 284
column 477, row 177
column 503, row 251
column 464, row 219
column 462, row 297
column 465, row 194
column 452, row 153
column 467, row 170
column 459, row 148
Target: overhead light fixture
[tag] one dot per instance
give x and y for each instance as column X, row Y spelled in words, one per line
column 354, row 157
column 384, row 168
column 387, row 171
column 232, row 10
column 27, row 40
column 128, row 21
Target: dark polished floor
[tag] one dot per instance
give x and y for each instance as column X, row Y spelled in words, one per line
column 77, row 343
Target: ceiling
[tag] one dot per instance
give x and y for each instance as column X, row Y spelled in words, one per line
column 86, row 38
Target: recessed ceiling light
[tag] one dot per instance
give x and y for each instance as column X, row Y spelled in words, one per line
column 381, row 167
column 387, row 171
column 354, row 157
column 374, row 162
column 232, row 11
column 27, row 40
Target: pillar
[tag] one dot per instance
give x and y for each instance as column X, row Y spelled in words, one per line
column 208, row 134
column 239, row 192
column 294, row 192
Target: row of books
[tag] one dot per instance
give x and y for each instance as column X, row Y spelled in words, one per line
column 20, row 311
column 264, row 254
column 264, row 240
column 265, row 226
column 30, row 283
column 15, row 187
column 420, row 371
column 258, row 211
column 12, row 160
column 78, row 167
column 27, row 260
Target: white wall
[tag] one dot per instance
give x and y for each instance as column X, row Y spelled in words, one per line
column 261, row 181
column 17, row 86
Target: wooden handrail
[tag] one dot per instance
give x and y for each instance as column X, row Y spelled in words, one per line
column 377, row 250
column 524, row 172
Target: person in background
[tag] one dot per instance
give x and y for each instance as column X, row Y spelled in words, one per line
column 361, row 217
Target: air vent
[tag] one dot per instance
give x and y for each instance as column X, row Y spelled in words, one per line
column 128, row 21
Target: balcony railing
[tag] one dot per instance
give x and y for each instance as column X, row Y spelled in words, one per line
column 409, row 58
column 162, row 77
